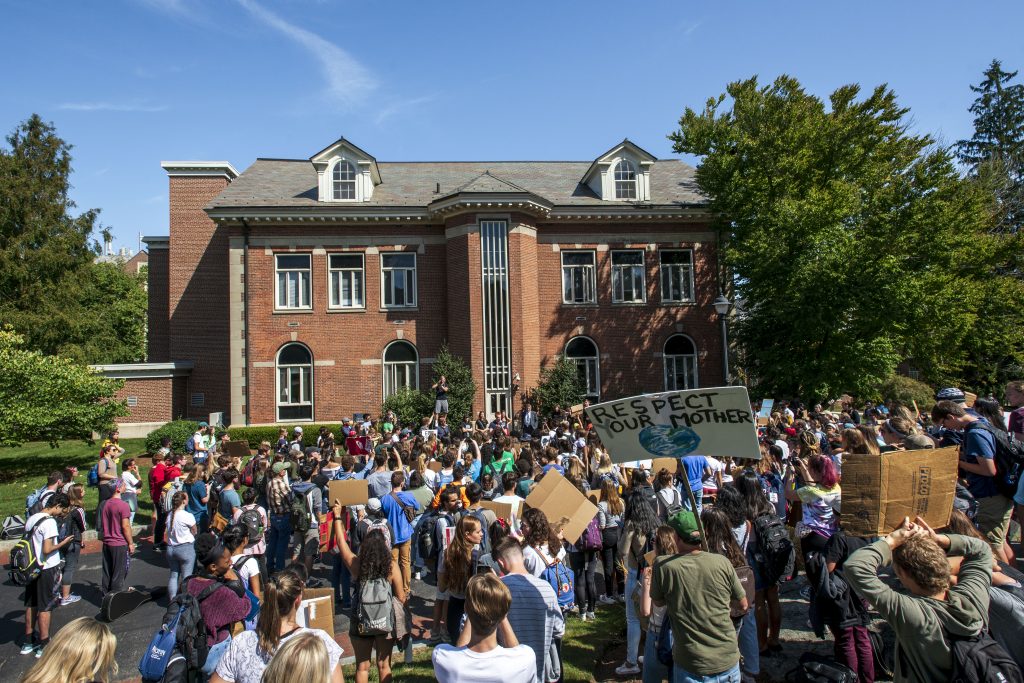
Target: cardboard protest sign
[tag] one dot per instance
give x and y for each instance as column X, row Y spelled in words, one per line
column 349, row 491
column 670, row 464
column 237, row 449
column 576, row 409
column 594, row 496
column 969, row 399
column 766, row 408
column 435, row 466
column 316, row 610
column 879, row 491
column 500, row 510
column 716, row 422
column 563, row 505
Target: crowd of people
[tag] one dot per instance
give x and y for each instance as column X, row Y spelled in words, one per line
column 695, row 555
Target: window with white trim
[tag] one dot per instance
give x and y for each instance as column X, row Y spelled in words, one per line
column 583, row 352
column 343, row 180
column 398, row 279
column 625, row 180
column 680, row 363
column 578, row 277
column 294, row 383
column 293, row 281
column 676, row 272
column 628, row 282
column 401, row 367
column 346, row 280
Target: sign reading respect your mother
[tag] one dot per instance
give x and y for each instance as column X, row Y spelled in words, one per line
column 716, row 422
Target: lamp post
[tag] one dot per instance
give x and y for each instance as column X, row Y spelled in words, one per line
column 722, row 305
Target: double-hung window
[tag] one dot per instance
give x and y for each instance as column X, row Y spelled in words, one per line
column 676, row 267
column 398, row 280
column 628, row 286
column 346, row 280
column 293, row 281
column 578, row 286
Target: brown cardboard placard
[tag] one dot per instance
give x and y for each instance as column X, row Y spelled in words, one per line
column 668, row 463
column 563, row 505
column 576, row 409
column 237, row 449
column 434, row 466
column 317, row 609
column 969, row 399
column 349, row 491
column 594, row 496
column 650, row 557
column 879, row 491
column 500, row 510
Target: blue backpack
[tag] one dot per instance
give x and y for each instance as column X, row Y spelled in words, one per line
column 93, row 478
column 485, row 543
column 562, row 580
column 190, row 444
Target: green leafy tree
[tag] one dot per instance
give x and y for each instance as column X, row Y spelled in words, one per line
column 461, row 387
column 410, row 405
column 852, row 243
column 560, row 385
column 51, row 291
column 49, row 398
column 906, row 391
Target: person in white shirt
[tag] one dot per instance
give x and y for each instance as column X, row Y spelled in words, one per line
column 234, row 539
column 477, row 657
column 43, row 593
column 199, row 450
column 181, row 535
column 508, row 486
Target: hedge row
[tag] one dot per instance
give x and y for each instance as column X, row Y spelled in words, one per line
column 256, row 435
column 178, row 431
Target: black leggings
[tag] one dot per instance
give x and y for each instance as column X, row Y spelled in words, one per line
column 609, row 556
column 584, row 564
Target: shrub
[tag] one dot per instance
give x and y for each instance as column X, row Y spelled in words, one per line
column 905, row 390
column 560, row 385
column 410, row 405
column 179, row 431
column 255, row 435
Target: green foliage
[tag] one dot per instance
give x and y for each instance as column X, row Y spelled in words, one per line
column 51, row 292
column 255, row 435
column 179, row 431
column 49, row 398
column 461, row 387
column 410, row 405
column 852, row 243
column 560, row 385
column 906, row 391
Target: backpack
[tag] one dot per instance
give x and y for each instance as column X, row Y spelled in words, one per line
column 485, row 542
column 591, row 538
column 93, row 478
column 408, row 510
column 13, row 525
column 376, row 614
column 183, row 633
column 36, row 500
column 254, row 602
column 775, row 553
column 670, row 508
column 301, row 508
column 562, row 580
column 24, row 564
column 247, row 471
column 982, row 660
column 814, row 668
column 190, row 444
column 170, row 488
column 1009, row 459
column 444, row 479
column 253, row 523
column 426, row 535
column 382, row 525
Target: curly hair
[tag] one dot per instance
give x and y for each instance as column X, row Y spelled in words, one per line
column 538, row 528
column 374, row 557
column 921, row 559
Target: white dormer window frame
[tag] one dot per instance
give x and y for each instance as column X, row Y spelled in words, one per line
column 344, row 180
column 625, row 179
column 624, row 175
column 349, row 175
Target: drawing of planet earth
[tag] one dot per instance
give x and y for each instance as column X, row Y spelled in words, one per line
column 663, row 440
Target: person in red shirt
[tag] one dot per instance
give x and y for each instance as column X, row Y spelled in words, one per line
column 157, row 478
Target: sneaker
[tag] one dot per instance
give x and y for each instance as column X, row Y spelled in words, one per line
column 70, row 600
column 418, row 576
column 605, row 600
column 435, row 639
column 27, row 648
column 591, row 616
column 627, row 669
column 39, row 651
column 621, row 598
column 584, row 617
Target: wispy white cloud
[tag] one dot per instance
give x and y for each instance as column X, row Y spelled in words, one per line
column 397, row 107
column 689, row 27
column 112, row 106
column 348, row 81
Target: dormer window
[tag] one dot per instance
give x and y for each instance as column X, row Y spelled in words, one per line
column 343, row 180
column 625, row 180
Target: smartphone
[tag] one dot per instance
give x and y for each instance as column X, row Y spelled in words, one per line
column 483, row 568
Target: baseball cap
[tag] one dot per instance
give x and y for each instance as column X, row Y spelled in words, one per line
column 346, row 420
column 950, row 394
column 298, row 430
column 373, row 505
column 203, row 424
column 685, row 524
column 279, row 467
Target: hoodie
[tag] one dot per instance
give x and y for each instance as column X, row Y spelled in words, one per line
column 923, row 652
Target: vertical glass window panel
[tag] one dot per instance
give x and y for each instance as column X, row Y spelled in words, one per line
column 293, row 281
column 628, row 277
column 676, row 274
column 625, row 180
column 401, row 367
column 495, row 310
column 294, row 383
column 680, row 363
column 343, row 180
column 398, row 280
column 346, row 280
column 578, row 275
column 583, row 352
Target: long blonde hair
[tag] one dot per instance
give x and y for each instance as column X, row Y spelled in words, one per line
column 82, row 651
column 303, row 657
column 459, row 556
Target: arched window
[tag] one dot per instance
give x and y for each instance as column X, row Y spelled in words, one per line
column 583, row 352
column 680, row 363
column 344, row 180
column 294, row 383
column 401, row 367
column 625, row 180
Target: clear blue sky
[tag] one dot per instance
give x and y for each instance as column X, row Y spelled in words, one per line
column 132, row 82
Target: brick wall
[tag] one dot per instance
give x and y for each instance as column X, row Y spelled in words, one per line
column 154, row 396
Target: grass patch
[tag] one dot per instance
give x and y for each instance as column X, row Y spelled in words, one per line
column 24, row 469
column 583, row 646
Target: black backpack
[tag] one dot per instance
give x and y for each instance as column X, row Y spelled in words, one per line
column 426, row 535
column 982, row 660
column 253, row 523
column 775, row 553
column 1009, row 458
column 814, row 668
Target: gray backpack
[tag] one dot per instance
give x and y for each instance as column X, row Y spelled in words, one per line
column 376, row 615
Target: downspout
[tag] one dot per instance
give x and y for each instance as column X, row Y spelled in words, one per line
column 245, row 303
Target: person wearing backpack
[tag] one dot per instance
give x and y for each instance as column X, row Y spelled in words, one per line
column 42, row 591
column 305, row 507
column 253, row 517
column 930, row 621
column 39, row 499
column 401, row 509
column 250, row 652
column 73, row 525
column 668, row 497
column 654, row 670
column 636, row 539
column 460, row 561
column 106, row 475
column 234, row 539
column 377, row 583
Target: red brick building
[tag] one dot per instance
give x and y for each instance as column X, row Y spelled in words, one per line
column 308, row 289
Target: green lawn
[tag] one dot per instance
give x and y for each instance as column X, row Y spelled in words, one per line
column 583, row 647
column 24, row 469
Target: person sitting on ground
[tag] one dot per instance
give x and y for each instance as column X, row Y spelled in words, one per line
column 81, row 651
column 251, row 652
column 924, row 620
column 477, row 657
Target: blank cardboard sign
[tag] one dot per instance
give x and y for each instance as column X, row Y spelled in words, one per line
column 349, row 491
column 317, row 609
column 500, row 510
column 669, row 464
column 563, row 505
column 236, row 449
column 879, row 491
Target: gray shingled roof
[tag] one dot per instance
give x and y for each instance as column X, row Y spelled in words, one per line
column 293, row 183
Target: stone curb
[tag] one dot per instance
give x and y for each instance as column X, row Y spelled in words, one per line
column 89, row 535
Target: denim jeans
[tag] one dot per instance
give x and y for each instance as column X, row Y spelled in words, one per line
column 698, row 496
column 341, row 580
column 654, row 671
column 747, row 640
column 181, row 559
column 277, row 542
column 632, row 619
column 684, row 676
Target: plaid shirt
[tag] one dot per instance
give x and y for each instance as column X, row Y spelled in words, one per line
column 278, row 496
